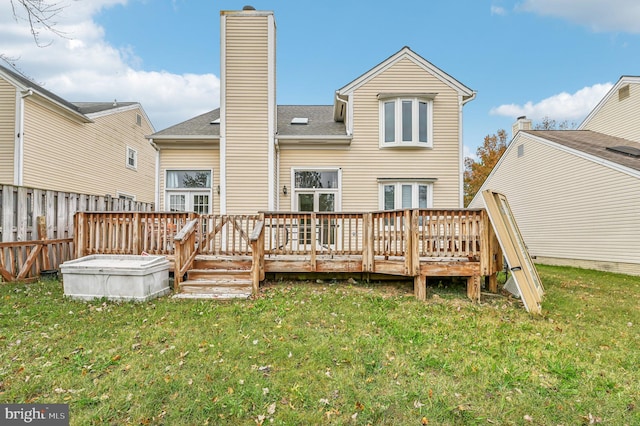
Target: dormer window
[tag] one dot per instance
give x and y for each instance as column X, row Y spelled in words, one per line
column 406, row 120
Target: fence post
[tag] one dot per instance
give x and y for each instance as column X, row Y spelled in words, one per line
column 42, row 235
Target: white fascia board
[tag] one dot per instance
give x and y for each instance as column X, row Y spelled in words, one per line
column 405, row 52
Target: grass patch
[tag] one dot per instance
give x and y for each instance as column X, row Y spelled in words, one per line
column 332, row 353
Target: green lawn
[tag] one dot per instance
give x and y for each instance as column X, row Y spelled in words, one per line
column 331, row 353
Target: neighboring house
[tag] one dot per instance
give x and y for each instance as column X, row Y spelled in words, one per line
column 392, row 138
column 575, row 194
column 96, row 148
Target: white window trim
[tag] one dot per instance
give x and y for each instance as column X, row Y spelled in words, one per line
column 398, row 193
column 126, row 195
column 168, row 191
column 293, row 191
column 415, row 122
column 135, row 158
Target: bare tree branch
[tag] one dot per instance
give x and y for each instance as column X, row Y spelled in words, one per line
column 40, row 15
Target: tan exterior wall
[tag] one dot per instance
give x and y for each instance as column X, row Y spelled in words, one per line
column 568, row 207
column 364, row 162
column 247, row 113
column 7, row 131
column 66, row 155
column 619, row 117
column 191, row 159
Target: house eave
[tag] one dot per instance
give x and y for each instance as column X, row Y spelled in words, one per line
column 314, row 141
column 185, row 142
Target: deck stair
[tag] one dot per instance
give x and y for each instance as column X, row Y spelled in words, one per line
column 215, row 277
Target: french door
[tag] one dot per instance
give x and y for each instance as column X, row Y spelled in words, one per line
column 317, row 201
column 191, row 201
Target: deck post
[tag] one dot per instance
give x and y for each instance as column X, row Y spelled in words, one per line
column 136, row 227
column 420, row 287
column 473, row 288
column 80, row 234
column 414, row 243
column 314, row 241
column 367, row 242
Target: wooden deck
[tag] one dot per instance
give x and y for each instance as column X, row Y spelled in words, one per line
column 231, row 254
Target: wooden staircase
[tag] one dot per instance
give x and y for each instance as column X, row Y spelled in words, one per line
column 215, row 277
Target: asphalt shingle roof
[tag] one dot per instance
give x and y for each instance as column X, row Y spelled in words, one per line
column 593, row 143
column 320, row 123
column 196, row 126
column 93, row 107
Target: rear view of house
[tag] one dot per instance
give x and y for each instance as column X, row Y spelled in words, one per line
column 391, row 139
column 576, row 193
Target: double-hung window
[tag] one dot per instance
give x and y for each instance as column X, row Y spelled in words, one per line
column 405, row 195
column 406, row 120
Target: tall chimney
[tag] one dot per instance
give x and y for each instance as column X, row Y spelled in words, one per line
column 522, row 123
column 247, row 111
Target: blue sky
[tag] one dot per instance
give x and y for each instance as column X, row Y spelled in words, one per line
column 554, row 58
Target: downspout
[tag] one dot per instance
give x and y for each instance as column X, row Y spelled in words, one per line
column 18, row 153
column 157, row 177
column 462, row 102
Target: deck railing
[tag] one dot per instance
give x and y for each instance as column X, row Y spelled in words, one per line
column 128, row 232
column 226, row 234
column 425, row 233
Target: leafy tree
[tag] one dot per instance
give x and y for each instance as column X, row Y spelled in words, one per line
column 477, row 171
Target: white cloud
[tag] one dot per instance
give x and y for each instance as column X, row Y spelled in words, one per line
column 84, row 67
column 599, row 15
column 498, row 10
column 560, row 107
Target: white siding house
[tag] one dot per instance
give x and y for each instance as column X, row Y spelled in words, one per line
column 576, row 193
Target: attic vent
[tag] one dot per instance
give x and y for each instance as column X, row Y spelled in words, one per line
column 300, row 120
column 625, row 150
column 216, row 121
column 248, row 7
column 623, row 93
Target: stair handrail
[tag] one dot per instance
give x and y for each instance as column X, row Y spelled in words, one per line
column 185, row 251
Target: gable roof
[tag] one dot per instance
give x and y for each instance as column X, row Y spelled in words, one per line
column 23, row 84
column 625, row 79
column 407, row 53
column 593, row 144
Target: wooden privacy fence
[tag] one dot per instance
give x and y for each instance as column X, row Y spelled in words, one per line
column 21, row 206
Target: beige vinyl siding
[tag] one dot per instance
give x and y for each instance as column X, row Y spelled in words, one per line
column 247, row 108
column 619, row 117
column 7, row 130
column 364, row 162
column 191, row 159
column 66, row 155
column 568, row 207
